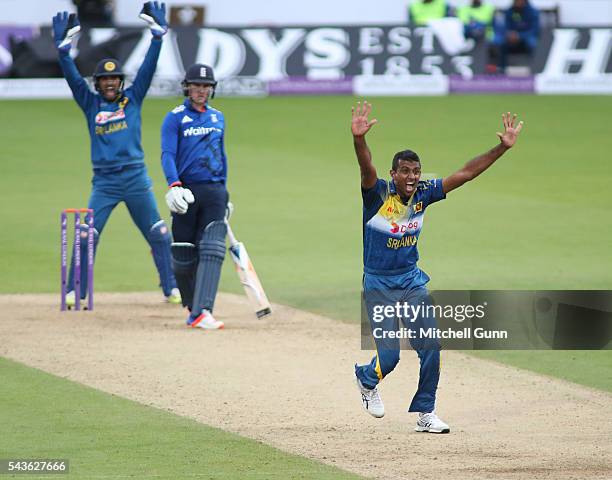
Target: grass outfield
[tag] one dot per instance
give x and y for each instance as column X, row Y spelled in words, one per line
column 593, row 369
column 539, row 219
column 104, row 436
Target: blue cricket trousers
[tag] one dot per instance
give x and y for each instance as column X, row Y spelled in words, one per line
column 387, row 356
column 130, row 184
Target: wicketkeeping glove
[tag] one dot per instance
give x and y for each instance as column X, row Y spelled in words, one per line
column 178, row 199
column 65, row 28
column 154, row 14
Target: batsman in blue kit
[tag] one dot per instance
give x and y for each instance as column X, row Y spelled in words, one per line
column 393, row 213
column 195, row 165
column 114, row 122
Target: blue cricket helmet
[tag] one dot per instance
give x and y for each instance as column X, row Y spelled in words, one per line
column 108, row 67
column 202, row 74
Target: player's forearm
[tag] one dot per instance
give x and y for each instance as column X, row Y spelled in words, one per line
column 69, row 69
column 479, row 164
column 75, row 81
column 364, row 157
column 169, row 167
column 143, row 78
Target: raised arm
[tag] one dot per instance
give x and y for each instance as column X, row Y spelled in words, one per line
column 360, row 126
column 477, row 165
column 144, row 76
column 65, row 28
column 154, row 14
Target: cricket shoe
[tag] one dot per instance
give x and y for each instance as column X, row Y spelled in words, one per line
column 370, row 398
column 174, row 297
column 429, row 422
column 206, row 321
column 71, row 301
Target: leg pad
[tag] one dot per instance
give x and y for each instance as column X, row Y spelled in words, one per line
column 184, row 265
column 160, row 239
column 211, row 255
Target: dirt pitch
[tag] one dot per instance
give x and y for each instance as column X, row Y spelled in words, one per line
column 287, row 381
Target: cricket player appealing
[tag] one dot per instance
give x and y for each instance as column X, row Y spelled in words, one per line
column 195, row 165
column 393, row 214
column 114, row 123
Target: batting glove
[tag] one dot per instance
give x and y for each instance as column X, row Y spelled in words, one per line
column 229, row 209
column 65, row 28
column 178, row 199
column 155, row 15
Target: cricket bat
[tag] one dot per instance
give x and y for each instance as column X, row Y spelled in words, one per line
column 248, row 276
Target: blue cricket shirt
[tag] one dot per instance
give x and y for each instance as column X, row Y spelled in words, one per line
column 391, row 229
column 114, row 127
column 193, row 145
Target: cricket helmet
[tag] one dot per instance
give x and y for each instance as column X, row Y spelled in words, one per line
column 108, row 67
column 201, row 74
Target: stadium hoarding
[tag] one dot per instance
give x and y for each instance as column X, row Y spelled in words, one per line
column 312, row 60
column 401, row 85
column 578, row 61
column 306, row 86
column 491, row 84
column 34, row 88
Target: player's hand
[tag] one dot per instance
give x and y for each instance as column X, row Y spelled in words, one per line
column 65, row 28
column 360, row 125
column 154, row 13
column 511, row 130
column 178, row 199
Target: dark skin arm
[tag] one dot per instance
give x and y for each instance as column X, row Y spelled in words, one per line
column 476, row 166
column 360, row 126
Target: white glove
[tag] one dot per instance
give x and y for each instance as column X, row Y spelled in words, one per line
column 178, row 199
column 229, row 209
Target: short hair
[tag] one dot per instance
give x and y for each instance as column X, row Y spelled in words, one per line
column 408, row 155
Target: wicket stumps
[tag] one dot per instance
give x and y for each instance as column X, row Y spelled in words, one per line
column 89, row 218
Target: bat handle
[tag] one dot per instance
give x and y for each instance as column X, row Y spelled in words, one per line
column 230, row 234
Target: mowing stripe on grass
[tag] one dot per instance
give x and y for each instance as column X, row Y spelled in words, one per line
column 105, row 436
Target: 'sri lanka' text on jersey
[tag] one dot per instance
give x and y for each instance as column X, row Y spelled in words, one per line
column 114, row 127
column 193, row 145
column 391, row 228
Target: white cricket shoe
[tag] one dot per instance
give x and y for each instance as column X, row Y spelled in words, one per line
column 174, row 297
column 70, row 299
column 429, row 422
column 206, row 321
column 370, row 398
